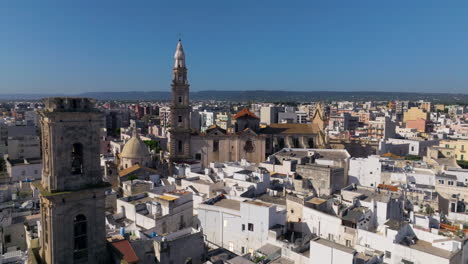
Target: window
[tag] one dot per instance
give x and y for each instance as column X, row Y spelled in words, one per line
column 80, row 249
column 251, row 227
column 441, row 182
column 180, row 119
column 348, row 243
column 7, row 238
column 198, row 156
column 249, row 146
column 243, row 227
column 450, row 182
column 182, row 224
column 180, row 99
column 35, row 171
column 215, row 146
column 242, row 250
column 388, row 254
column 330, row 237
column 77, row 159
column 180, row 146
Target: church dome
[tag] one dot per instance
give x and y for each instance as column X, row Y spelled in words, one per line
column 135, row 148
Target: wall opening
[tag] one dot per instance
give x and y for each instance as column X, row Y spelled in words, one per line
column 77, row 159
column 80, row 236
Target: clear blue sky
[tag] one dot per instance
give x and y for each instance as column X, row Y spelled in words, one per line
column 79, row 46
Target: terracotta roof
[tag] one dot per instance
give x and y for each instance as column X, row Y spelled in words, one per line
column 245, row 113
column 127, row 251
column 391, row 155
column 388, row 187
column 288, row 129
column 134, row 168
column 215, row 127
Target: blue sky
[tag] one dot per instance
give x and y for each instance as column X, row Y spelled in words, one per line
column 80, row 46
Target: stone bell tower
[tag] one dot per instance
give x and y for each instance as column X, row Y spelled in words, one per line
column 72, row 192
column 180, row 109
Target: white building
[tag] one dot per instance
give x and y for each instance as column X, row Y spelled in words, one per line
column 401, row 243
column 240, row 226
column 417, row 147
column 327, row 252
column 365, row 171
column 24, row 169
column 161, row 214
column 20, row 147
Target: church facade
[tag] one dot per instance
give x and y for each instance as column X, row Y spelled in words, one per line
column 244, row 138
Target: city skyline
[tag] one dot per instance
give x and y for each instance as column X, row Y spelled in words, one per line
column 72, row 48
column 201, row 182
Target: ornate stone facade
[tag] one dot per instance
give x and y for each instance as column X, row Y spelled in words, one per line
column 243, row 139
column 72, row 192
column 216, row 145
column 180, row 109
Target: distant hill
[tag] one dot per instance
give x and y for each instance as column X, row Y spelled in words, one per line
column 260, row 95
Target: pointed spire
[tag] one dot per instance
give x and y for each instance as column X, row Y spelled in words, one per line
column 179, row 56
column 135, row 133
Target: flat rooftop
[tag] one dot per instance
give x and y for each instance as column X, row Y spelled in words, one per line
column 316, row 201
column 331, row 244
column 228, row 204
column 428, row 248
column 167, row 197
column 326, row 154
column 375, row 194
column 259, row 203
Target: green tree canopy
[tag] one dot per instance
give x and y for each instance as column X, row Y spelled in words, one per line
column 153, row 145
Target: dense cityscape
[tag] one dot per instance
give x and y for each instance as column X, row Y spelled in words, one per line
column 233, row 132
column 106, row 181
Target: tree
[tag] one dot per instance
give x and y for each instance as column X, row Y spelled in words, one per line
column 412, row 157
column 429, row 210
column 153, row 145
column 132, row 177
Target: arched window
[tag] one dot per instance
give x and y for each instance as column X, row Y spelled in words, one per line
column 80, row 236
column 77, row 159
column 249, row 146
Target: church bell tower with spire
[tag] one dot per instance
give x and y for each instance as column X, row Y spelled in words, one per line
column 180, row 109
